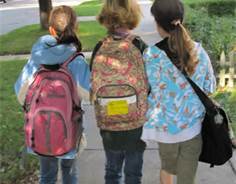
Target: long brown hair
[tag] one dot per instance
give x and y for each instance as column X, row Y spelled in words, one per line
column 64, row 20
column 169, row 15
column 119, row 14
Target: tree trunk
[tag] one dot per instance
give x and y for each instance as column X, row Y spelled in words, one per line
column 45, row 6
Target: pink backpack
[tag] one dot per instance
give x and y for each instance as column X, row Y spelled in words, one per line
column 53, row 117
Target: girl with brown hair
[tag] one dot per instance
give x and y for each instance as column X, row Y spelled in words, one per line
column 175, row 111
column 52, row 51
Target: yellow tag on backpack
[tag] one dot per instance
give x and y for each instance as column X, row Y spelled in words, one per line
column 119, row 107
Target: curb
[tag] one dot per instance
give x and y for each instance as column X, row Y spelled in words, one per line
column 86, row 18
column 14, row 57
column 26, row 56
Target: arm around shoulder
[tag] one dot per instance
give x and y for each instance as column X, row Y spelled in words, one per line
column 81, row 74
column 24, row 80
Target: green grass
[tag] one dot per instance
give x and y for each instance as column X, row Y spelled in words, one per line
column 11, row 126
column 90, row 33
column 89, row 8
column 21, row 40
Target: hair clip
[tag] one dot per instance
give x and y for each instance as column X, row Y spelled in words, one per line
column 176, row 22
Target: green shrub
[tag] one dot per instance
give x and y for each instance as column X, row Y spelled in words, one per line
column 216, row 7
column 217, row 34
column 222, row 8
column 228, row 101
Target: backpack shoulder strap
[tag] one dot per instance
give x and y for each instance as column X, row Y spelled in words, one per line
column 130, row 37
column 76, row 99
column 96, row 48
column 139, row 43
column 70, row 59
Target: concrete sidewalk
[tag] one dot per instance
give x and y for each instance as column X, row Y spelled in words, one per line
column 92, row 161
column 92, row 170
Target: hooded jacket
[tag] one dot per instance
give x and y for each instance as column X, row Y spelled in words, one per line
column 46, row 51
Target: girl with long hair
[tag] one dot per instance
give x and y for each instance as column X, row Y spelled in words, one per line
column 175, row 112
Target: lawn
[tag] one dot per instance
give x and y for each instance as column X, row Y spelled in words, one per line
column 89, row 8
column 21, row 40
column 11, row 127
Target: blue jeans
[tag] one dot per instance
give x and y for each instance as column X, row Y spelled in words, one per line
column 49, row 170
column 133, row 163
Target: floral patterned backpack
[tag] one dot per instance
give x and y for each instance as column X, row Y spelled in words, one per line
column 119, row 85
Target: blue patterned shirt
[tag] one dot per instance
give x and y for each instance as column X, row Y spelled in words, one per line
column 173, row 105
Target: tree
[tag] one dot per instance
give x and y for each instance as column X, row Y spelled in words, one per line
column 45, row 6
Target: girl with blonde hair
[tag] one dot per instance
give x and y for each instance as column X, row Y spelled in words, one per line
column 118, row 52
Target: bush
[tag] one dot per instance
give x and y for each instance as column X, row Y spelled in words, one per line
column 217, row 34
column 222, row 8
column 228, row 101
column 216, row 7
